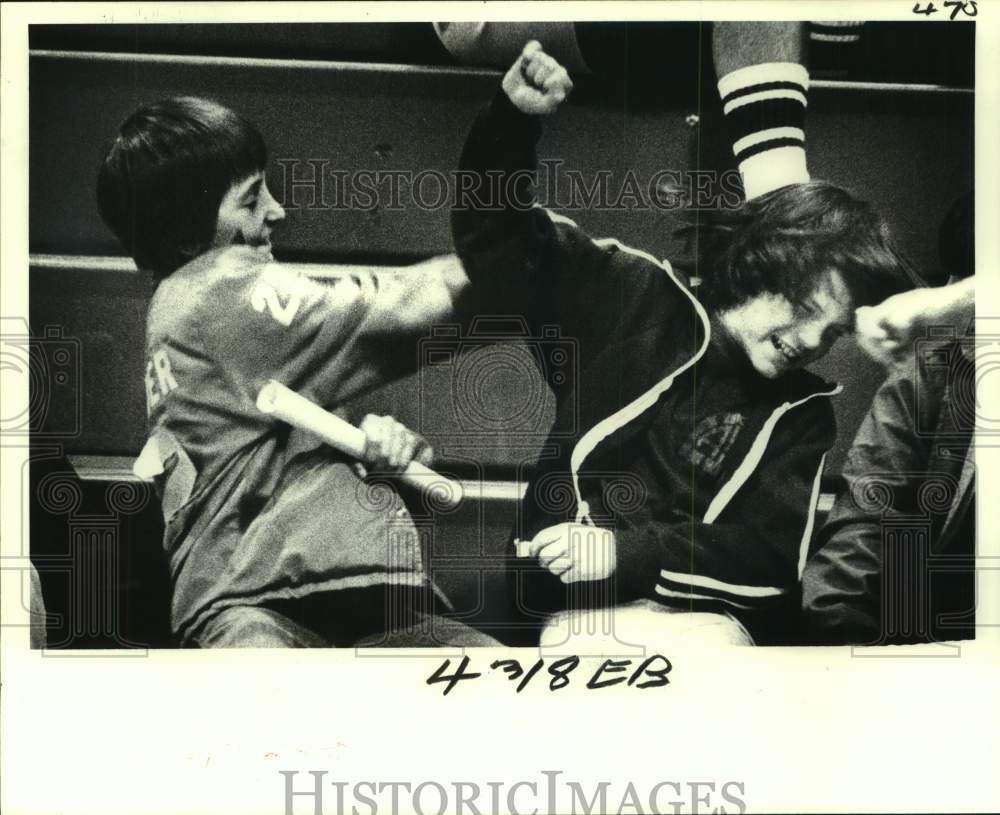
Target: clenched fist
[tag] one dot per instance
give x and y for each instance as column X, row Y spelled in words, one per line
column 573, row 552
column 390, row 446
column 887, row 332
column 536, row 83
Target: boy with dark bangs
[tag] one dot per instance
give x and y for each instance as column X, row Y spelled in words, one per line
column 270, row 540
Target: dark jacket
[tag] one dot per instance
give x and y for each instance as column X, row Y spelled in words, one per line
column 639, row 336
column 896, row 552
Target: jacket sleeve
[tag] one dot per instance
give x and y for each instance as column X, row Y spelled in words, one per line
column 524, row 260
column 841, row 583
column 329, row 338
column 750, row 555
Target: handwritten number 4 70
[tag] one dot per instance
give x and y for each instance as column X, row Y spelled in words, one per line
column 967, row 7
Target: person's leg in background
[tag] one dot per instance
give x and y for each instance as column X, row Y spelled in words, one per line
column 414, row 617
column 256, row 627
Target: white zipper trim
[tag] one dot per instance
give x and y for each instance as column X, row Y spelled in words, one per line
column 751, row 591
column 604, row 428
column 685, row 595
column 811, row 518
column 719, row 585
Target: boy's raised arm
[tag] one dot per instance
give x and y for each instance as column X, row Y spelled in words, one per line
column 522, row 259
column 333, row 338
column 497, row 227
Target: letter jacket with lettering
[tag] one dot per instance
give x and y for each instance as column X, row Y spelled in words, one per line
column 708, row 473
column 254, row 510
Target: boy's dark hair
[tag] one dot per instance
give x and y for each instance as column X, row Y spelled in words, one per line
column 164, row 177
column 782, row 242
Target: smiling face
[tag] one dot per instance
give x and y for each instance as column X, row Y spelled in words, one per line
column 247, row 215
column 779, row 336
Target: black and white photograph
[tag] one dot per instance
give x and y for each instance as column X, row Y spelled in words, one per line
column 499, row 408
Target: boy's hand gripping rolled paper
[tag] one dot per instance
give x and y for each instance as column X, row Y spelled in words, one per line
column 285, row 404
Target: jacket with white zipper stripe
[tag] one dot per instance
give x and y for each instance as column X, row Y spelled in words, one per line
column 639, row 338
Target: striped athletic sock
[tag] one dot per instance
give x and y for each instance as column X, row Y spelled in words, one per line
column 842, row 31
column 765, row 109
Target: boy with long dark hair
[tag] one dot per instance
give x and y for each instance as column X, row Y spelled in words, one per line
column 697, row 437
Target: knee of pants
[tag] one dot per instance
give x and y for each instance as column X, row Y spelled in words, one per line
column 431, row 631
column 641, row 625
column 254, row 627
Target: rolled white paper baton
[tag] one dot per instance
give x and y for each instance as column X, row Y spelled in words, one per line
column 283, row 403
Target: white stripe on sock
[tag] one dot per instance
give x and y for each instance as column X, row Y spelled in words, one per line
column 764, row 72
column 767, row 135
column 762, row 96
column 772, row 169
